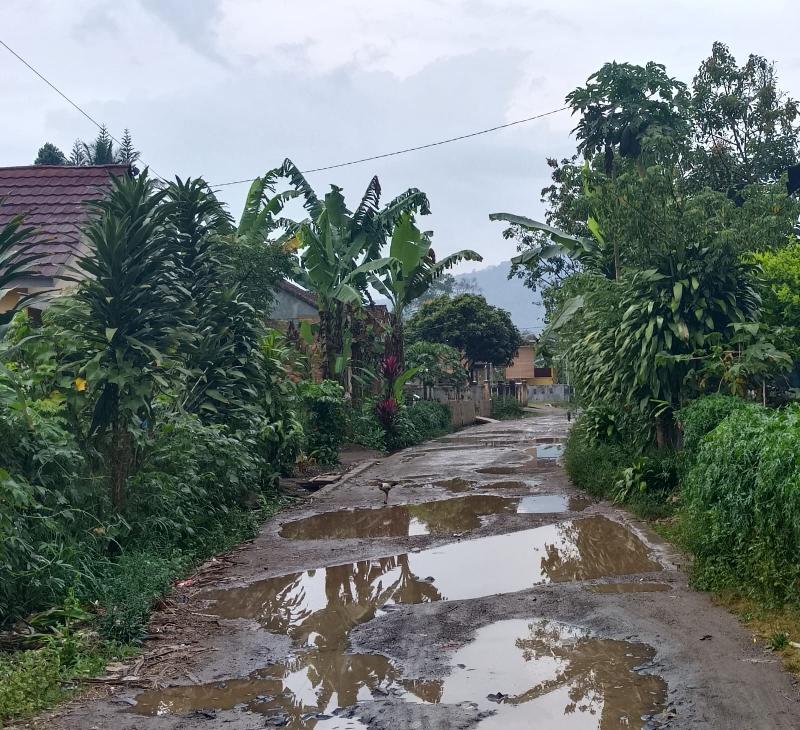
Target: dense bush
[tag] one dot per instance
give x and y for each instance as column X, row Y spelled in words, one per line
column 430, row 418
column 325, row 417
column 742, row 497
column 703, row 415
column 506, row 407
column 594, row 465
column 410, row 425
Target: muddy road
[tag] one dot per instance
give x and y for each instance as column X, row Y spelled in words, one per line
column 487, row 593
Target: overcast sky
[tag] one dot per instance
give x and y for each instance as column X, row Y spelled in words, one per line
column 227, row 88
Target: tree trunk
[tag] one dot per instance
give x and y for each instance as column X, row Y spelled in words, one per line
column 394, row 342
column 121, row 458
column 666, row 431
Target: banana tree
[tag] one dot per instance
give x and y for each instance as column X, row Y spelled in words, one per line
column 411, row 270
column 340, row 252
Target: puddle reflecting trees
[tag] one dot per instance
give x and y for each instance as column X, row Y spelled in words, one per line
column 318, row 609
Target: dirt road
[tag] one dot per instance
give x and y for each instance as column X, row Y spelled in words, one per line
column 488, row 593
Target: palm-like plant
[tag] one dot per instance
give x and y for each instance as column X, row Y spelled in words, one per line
column 340, row 251
column 128, row 313
column 411, row 270
column 15, row 262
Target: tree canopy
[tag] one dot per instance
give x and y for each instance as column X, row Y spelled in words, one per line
column 485, row 334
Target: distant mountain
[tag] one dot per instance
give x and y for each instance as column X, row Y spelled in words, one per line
column 508, row 294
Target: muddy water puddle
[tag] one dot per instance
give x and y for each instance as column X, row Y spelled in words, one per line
column 551, row 504
column 549, row 675
column 530, row 673
column 537, row 669
column 318, row 607
column 636, row 587
column 447, row 516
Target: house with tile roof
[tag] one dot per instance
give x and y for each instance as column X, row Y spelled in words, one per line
column 53, row 199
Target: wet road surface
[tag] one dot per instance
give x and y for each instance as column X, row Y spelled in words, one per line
column 487, row 593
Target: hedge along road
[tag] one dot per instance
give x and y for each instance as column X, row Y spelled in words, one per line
column 487, row 593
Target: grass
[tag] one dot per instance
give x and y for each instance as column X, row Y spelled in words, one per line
column 34, row 680
column 776, row 628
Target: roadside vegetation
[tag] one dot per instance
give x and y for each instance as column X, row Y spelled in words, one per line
column 668, row 265
column 148, row 416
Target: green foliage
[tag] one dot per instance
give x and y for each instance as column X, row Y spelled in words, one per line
column 742, row 505
column 364, row 427
column 629, row 110
column 14, row 265
column 648, row 475
column 430, row 418
column 593, row 465
column 746, row 127
column 703, row 415
column 438, row 364
column 326, row 420
column 781, row 294
column 469, row 324
column 49, row 154
column 778, row 641
column 506, row 407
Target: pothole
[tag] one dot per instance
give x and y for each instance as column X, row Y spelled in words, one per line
column 443, row 517
column 629, row 587
column 551, row 504
column 530, row 673
column 315, row 605
column 550, row 675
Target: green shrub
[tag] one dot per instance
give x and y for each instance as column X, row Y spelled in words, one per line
column 703, row 415
column 594, row 466
column 430, row 418
column 364, row 428
column 325, row 419
column 742, row 504
column 506, row 407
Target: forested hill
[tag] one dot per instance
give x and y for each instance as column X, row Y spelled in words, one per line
column 510, row 295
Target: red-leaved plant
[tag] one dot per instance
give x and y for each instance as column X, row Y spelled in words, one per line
column 386, row 411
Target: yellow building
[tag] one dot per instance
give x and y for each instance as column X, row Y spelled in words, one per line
column 523, row 368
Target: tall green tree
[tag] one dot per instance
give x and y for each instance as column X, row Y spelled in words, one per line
column 258, row 247
column 129, row 315
column 49, row 154
column 629, row 110
column 483, row 333
column 746, row 128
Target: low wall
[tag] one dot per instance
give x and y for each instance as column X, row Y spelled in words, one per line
column 558, row 392
column 462, row 412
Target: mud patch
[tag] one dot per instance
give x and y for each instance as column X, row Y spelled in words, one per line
column 319, row 607
column 629, row 588
column 446, row 516
column 456, row 484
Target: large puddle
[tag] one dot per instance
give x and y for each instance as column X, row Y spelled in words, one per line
column 541, row 670
column 317, row 607
column 529, row 673
column 442, row 517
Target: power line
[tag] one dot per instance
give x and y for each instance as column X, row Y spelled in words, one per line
column 66, row 98
column 412, row 149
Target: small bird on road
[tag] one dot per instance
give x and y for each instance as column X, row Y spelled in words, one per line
column 386, row 487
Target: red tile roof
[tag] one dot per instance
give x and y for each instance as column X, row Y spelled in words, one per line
column 53, row 197
column 302, row 294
